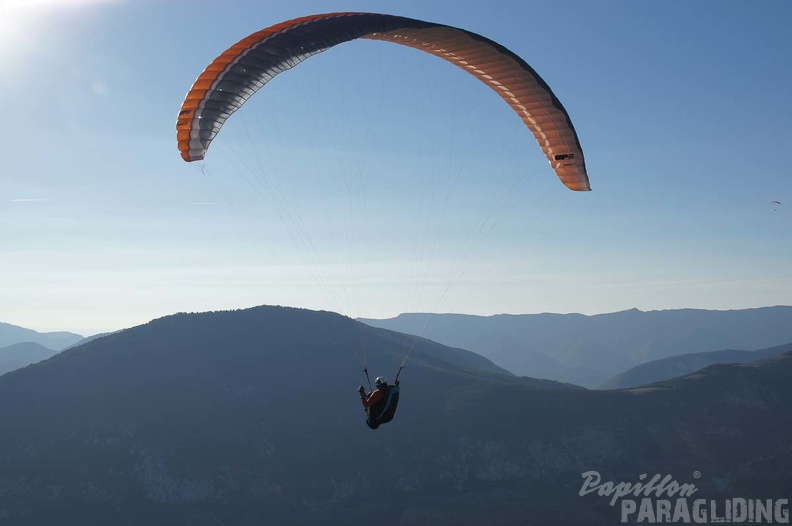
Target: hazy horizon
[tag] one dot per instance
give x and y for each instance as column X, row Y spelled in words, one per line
column 93, row 332
column 374, row 180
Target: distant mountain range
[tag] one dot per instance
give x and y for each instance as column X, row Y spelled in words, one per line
column 684, row 364
column 251, row 417
column 11, row 334
column 20, row 347
column 22, row 354
column 590, row 350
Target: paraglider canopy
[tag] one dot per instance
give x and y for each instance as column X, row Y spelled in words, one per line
column 233, row 77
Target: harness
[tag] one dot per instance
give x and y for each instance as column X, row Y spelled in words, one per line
column 383, row 412
column 389, row 408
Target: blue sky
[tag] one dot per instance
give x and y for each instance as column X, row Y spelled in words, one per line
column 390, row 181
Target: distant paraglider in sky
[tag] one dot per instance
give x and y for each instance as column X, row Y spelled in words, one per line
column 233, row 77
column 776, row 204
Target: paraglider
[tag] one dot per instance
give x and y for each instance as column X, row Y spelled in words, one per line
column 380, row 404
column 239, row 72
column 244, row 68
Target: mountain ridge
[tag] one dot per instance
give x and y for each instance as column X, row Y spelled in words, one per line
column 251, row 416
column 588, row 350
column 11, row 334
column 684, row 364
column 18, row 355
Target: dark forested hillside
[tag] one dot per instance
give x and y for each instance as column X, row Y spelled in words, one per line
column 251, row 417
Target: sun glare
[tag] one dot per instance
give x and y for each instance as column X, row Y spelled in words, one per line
column 43, row 5
column 19, row 20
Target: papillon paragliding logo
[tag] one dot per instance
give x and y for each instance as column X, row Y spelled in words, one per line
column 662, row 500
